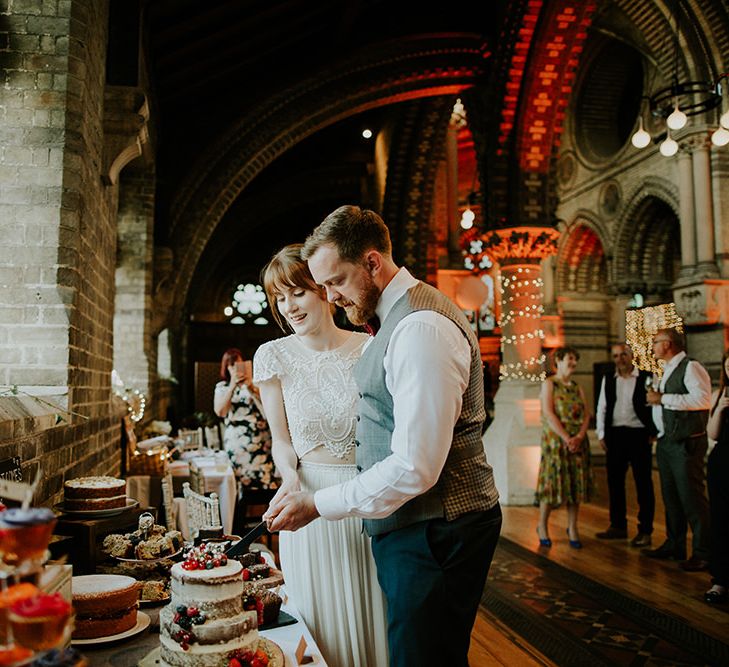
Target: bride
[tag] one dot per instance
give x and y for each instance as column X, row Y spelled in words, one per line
column 310, row 400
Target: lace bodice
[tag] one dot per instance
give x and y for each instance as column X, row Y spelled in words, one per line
column 319, row 391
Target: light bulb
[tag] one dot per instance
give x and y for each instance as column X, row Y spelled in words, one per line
column 724, row 120
column 677, row 119
column 720, row 137
column 669, row 147
column 467, row 219
column 641, row 138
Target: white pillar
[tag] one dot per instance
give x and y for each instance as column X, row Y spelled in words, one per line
column 704, row 211
column 687, row 213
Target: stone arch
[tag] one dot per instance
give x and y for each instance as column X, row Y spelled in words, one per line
column 648, row 243
column 399, row 71
column 581, row 259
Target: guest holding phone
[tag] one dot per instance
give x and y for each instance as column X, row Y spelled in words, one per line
column 247, row 438
column 717, row 476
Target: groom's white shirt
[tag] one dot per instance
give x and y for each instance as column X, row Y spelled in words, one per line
column 427, row 369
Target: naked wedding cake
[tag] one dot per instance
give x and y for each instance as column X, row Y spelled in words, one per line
column 94, row 493
column 205, row 624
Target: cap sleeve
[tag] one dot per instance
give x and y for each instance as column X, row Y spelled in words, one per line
column 266, row 364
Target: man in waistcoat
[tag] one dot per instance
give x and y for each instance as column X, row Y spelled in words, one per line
column 680, row 412
column 425, row 491
column 624, row 429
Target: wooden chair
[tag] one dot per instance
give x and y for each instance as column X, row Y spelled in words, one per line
column 202, row 512
column 197, row 482
column 212, row 437
column 168, row 502
column 192, row 439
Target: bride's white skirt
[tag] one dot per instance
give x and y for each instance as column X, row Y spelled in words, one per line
column 331, row 577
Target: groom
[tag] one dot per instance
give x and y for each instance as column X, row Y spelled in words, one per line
column 425, row 492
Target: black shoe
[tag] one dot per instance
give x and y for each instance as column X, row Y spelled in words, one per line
column 613, row 534
column 694, row 564
column 641, row 540
column 663, row 552
column 715, row 597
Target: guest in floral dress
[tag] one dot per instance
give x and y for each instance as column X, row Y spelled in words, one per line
column 565, row 475
column 247, row 438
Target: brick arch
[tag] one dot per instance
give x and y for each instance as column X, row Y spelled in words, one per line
column 398, row 71
column 581, row 259
column 648, row 243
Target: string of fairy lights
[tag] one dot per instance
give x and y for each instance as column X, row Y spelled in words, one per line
column 641, row 325
column 517, row 288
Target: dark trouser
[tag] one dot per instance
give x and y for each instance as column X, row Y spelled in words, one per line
column 717, row 476
column 681, row 466
column 630, row 447
column 433, row 574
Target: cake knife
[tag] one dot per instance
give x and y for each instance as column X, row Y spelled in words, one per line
column 241, row 547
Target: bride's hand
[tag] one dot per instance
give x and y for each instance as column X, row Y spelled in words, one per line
column 279, row 499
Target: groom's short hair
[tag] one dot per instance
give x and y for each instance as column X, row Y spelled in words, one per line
column 352, row 231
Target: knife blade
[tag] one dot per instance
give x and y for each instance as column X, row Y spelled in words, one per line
column 242, row 547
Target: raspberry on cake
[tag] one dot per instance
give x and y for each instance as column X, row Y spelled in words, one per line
column 94, row 493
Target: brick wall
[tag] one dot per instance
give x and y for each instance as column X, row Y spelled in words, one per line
column 58, row 223
column 135, row 346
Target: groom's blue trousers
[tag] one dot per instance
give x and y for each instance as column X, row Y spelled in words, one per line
column 433, row 574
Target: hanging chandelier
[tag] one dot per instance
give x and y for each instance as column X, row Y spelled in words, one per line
column 682, row 99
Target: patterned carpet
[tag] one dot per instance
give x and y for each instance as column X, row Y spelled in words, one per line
column 576, row 621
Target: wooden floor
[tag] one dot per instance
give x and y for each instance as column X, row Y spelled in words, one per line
column 613, row 563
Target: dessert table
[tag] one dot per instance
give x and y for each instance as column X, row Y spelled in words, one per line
column 140, row 650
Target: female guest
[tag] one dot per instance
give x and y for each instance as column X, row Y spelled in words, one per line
column 717, row 476
column 310, row 398
column 247, row 438
column 564, row 470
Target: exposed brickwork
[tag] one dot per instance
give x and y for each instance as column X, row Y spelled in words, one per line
column 58, row 226
column 135, row 348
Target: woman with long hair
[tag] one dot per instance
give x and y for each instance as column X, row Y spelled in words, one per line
column 310, row 398
column 565, row 475
column 717, row 477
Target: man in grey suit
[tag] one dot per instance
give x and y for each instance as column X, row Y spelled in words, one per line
column 680, row 411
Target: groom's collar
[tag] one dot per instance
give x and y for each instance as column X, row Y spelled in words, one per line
column 400, row 283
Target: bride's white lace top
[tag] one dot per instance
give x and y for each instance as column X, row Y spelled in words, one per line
column 319, row 392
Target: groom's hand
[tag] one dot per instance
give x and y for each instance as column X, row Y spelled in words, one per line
column 292, row 512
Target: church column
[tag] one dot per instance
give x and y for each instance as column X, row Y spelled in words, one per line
column 704, row 211
column 687, row 213
column 512, row 440
column 454, row 230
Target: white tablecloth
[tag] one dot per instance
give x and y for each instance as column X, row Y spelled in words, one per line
column 217, row 476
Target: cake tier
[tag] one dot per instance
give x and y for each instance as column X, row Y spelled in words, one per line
column 78, row 504
column 203, row 655
column 91, row 627
column 212, row 631
column 94, row 487
column 99, row 594
column 205, row 588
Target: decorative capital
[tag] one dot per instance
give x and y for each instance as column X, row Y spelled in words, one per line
column 533, row 243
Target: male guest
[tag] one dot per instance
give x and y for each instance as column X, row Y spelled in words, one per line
column 680, row 412
column 624, row 428
column 425, row 492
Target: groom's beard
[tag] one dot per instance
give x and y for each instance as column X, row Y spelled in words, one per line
column 363, row 309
